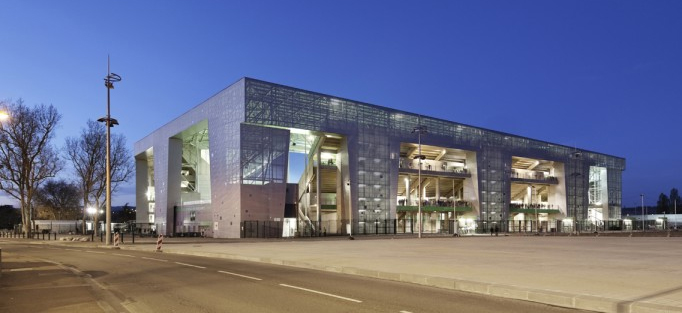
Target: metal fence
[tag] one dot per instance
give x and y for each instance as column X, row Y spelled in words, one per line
column 262, row 229
column 272, row 229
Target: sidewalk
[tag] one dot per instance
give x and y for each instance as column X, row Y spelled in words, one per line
column 607, row 274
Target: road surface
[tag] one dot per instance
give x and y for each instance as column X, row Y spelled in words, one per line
column 73, row 279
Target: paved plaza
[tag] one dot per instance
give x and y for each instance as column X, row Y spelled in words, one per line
column 609, row 274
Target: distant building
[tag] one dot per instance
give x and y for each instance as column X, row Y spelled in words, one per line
column 223, row 167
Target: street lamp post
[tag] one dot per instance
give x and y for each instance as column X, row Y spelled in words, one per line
column 643, row 216
column 92, row 211
column 109, row 81
column 421, row 129
column 537, row 217
column 454, row 210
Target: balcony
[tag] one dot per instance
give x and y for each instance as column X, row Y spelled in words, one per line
column 533, row 177
column 533, row 208
column 434, row 206
column 431, row 166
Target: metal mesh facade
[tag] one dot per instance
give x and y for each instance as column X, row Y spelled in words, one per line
column 375, row 127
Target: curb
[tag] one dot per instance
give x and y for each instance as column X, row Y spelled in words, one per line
column 554, row 298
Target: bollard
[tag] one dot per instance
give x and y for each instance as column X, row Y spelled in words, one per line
column 159, row 242
column 116, row 238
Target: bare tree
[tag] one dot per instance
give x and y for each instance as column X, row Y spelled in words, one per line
column 58, row 199
column 87, row 153
column 27, row 157
column 122, row 166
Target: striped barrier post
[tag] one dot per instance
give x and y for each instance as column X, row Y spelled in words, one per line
column 159, row 242
column 116, row 239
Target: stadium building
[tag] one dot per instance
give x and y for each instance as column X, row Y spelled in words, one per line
column 222, row 168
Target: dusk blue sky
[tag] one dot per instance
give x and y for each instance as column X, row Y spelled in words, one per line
column 600, row 75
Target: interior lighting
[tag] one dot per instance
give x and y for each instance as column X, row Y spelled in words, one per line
column 326, row 155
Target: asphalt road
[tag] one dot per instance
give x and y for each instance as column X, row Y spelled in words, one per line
column 73, row 279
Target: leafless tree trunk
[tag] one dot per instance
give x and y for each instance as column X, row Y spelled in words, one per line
column 27, row 157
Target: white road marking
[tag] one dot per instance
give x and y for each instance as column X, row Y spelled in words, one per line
column 98, row 252
column 235, row 274
column 128, row 255
column 72, row 250
column 321, row 293
column 25, row 269
column 405, row 312
column 185, row 264
column 153, row 259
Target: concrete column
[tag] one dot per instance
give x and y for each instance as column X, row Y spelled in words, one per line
column 142, row 183
column 437, row 189
column 318, row 183
column 174, row 180
column 407, row 190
